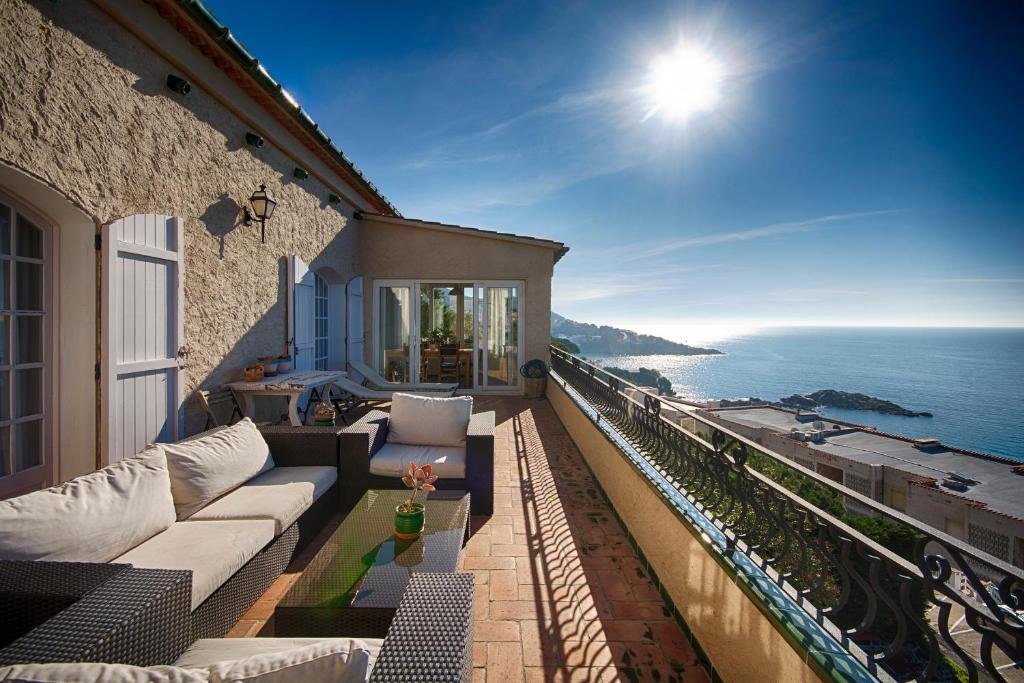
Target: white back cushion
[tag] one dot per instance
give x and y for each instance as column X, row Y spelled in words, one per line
column 335, row 660
column 206, row 468
column 426, row 421
column 93, row 518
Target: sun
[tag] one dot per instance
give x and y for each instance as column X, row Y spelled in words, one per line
column 682, row 83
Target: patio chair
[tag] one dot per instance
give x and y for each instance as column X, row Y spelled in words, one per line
column 372, row 460
column 218, row 399
column 377, row 382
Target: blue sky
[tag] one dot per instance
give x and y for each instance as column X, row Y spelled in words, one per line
column 863, row 164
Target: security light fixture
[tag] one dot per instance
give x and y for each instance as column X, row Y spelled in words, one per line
column 263, row 204
column 254, row 140
column 334, row 199
column 300, row 173
column 179, row 84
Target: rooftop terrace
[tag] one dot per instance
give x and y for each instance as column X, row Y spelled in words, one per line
column 561, row 593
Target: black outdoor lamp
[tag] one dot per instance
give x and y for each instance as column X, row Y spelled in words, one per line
column 263, row 204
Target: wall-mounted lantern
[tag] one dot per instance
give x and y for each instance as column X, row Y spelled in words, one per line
column 263, row 204
column 334, row 199
column 300, row 173
column 179, row 84
column 254, row 140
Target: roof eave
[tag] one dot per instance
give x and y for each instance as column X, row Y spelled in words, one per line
column 226, row 52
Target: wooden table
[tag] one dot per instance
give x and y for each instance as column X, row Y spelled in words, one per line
column 289, row 384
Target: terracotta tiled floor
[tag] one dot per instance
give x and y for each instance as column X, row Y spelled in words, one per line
column 561, row 596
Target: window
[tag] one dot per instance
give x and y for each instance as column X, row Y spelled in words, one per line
column 992, row 542
column 321, row 323
column 22, row 342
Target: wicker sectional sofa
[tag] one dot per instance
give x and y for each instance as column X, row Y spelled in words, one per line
column 140, row 618
column 229, row 549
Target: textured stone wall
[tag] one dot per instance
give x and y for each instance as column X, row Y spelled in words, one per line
column 84, row 108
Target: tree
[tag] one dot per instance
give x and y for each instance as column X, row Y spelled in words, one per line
column 565, row 345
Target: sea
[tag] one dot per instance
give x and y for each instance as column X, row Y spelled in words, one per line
column 971, row 380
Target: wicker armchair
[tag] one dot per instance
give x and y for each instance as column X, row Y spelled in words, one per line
column 363, row 438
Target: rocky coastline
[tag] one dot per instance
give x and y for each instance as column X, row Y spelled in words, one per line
column 831, row 398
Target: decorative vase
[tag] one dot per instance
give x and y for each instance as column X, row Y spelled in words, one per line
column 324, row 421
column 284, row 363
column 409, row 524
column 269, row 366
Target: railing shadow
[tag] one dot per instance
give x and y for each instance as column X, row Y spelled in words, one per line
column 595, row 605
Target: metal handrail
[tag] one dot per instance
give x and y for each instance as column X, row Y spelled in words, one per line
column 864, row 591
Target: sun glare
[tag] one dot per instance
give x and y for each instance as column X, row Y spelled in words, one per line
column 683, row 83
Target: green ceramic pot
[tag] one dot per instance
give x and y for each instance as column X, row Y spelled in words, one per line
column 409, row 524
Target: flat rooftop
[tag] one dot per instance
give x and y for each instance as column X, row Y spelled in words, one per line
column 766, row 416
column 997, row 486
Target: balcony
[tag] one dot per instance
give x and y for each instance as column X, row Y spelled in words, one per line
column 625, row 548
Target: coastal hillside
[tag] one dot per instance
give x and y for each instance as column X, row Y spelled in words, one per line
column 603, row 340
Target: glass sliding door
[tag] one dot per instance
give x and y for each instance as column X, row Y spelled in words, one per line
column 502, row 336
column 470, row 333
column 394, row 327
column 446, row 333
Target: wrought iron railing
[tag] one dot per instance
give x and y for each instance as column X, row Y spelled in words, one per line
column 895, row 611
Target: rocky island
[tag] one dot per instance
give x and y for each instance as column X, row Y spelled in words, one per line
column 833, row 398
column 603, row 340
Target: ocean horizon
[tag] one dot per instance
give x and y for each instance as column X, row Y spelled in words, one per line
column 970, row 379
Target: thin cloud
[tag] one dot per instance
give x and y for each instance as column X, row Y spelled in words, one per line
column 978, row 281
column 773, row 230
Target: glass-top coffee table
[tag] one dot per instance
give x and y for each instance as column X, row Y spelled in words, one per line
column 354, row 583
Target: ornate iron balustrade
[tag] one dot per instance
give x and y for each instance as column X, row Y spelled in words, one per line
column 874, row 602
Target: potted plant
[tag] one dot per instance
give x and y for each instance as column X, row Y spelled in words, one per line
column 535, row 377
column 284, row 362
column 410, row 515
column 324, row 414
column 254, row 372
column 269, row 365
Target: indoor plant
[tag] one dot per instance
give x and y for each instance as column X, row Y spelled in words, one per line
column 535, row 373
column 409, row 516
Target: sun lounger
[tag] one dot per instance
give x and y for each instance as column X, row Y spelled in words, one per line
column 355, row 395
column 378, row 382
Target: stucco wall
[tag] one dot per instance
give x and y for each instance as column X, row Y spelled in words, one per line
column 84, row 108
column 740, row 641
column 390, row 251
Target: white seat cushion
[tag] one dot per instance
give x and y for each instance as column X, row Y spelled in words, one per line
column 427, row 421
column 392, row 460
column 210, row 651
column 213, row 550
column 206, row 468
column 281, row 494
column 101, row 673
column 92, row 518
